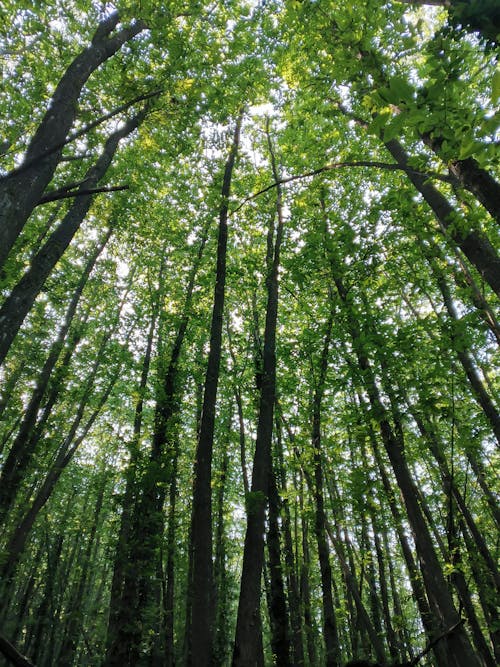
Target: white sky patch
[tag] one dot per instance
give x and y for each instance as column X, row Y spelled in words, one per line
column 122, row 269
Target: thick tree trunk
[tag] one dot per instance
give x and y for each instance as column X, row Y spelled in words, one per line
column 22, row 190
column 21, row 299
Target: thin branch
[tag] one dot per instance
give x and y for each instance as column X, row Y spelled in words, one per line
column 12, row 654
column 55, row 196
column 338, row 165
column 433, row 643
column 72, row 137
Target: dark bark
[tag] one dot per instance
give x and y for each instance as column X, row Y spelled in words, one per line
column 457, row 642
column 21, row 192
column 478, row 389
column 201, row 636
column 305, row 588
column 137, row 599
column 13, row 655
column 248, row 649
column 221, row 606
column 344, row 554
column 479, row 182
column 24, row 444
column 64, row 455
column 122, row 561
column 292, row 575
column 475, row 246
column 330, row 632
column 278, row 612
column 21, row 299
column 76, row 606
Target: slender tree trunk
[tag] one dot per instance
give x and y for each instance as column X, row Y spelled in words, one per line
column 330, row 631
column 456, row 641
column 21, row 190
column 290, row 561
column 221, row 613
column 75, row 618
column 64, row 456
column 23, row 446
column 304, row 586
column 144, row 534
column 475, row 246
column 278, row 612
column 248, row 649
column 201, row 637
column 122, row 561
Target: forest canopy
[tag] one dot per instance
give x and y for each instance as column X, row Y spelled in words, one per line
column 249, row 289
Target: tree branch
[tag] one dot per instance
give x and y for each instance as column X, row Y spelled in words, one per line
column 390, row 166
column 76, row 135
column 13, row 655
column 433, row 643
column 55, row 196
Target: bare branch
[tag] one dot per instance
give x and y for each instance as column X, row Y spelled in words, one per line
column 390, row 166
column 55, row 196
column 12, row 654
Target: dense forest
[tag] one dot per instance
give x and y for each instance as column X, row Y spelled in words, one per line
column 249, row 330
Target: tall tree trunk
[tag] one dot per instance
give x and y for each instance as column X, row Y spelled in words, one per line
column 76, row 605
column 122, row 561
column 330, row 632
column 21, row 190
column 456, row 640
column 201, row 637
column 65, row 454
column 221, row 613
column 278, row 612
column 248, row 649
column 475, row 246
column 290, row 560
column 472, row 177
column 141, row 551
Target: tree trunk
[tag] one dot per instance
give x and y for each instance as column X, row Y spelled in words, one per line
column 22, row 449
column 21, row 190
column 475, row 246
column 201, row 638
column 278, row 613
column 456, row 641
column 248, row 649
column 21, row 299
column 330, row 632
